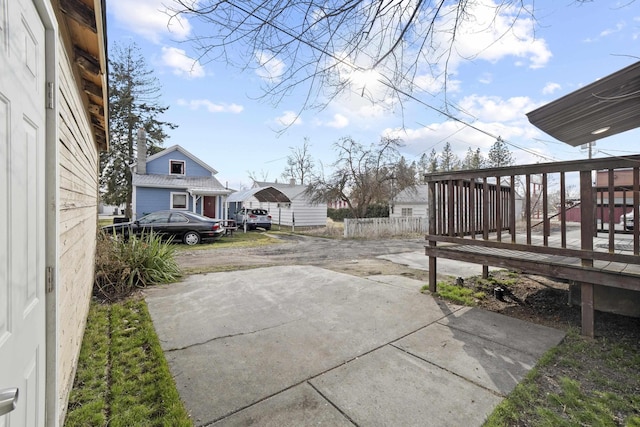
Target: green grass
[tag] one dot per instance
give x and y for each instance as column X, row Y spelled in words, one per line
column 581, row 382
column 457, row 294
column 239, row 239
column 123, row 378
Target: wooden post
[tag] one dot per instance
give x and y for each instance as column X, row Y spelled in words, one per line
column 432, row 230
column 485, row 220
column 586, row 236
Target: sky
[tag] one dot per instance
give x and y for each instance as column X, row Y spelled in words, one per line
column 223, row 119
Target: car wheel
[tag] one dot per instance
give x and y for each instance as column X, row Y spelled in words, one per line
column 191, row 238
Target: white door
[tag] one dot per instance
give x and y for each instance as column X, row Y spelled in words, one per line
column 22, row 210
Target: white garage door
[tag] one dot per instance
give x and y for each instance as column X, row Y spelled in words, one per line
column 22, row 210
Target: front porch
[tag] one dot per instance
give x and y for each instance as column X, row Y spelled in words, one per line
column 474, row 217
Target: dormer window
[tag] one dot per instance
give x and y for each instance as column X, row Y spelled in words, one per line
column 176, row 167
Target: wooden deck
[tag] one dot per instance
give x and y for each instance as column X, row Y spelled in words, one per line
column 473, row 221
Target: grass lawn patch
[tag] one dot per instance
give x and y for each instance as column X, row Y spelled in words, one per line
column 457, row 294
column 583, row 381
column 123, row 378
column 238, row 240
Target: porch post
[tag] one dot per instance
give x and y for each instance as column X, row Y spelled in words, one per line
column 432, row 231
column 586, row 237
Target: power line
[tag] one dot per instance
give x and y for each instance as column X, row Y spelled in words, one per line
column 291, row 34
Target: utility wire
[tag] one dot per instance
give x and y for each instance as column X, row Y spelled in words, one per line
column 291, row 34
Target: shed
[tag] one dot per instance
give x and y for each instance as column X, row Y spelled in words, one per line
column 256, row 198
column 300, row 212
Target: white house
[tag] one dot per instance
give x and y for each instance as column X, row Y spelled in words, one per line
column 300, row 211
column 53, row 125
column 410, row 202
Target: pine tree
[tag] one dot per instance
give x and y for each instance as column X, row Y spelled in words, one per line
column 499, row 155
column 134, row 95
column 433, row 162
column 473, row 159
column 448, row 159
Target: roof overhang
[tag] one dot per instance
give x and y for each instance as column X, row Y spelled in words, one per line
column 265, row 194
column 606, row 107
column 85, row 22
column 207, row 192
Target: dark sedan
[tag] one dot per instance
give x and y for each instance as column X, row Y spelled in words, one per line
column 187, row 227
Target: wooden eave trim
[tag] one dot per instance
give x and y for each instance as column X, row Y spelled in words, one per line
column 80, row 13
column 86, row 61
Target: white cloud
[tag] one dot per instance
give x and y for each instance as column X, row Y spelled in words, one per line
column 618, row 27
column 422, row 140
column 339, row 121
column 550, row 88
column 181, row 64
column 196, row 104
column 271, row 68
column 486, row 78
column 493, row 108
column 492, row 32
column 289, row 118
column 149, row 19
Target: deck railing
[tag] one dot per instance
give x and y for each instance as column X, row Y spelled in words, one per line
column 532, row 208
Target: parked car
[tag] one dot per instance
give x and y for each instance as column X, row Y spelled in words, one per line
column 187, row 227
column 627, row 221
column 254, row 218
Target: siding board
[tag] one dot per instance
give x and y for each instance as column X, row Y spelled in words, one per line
column 78, row 209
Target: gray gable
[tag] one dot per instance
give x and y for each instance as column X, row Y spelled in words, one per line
column 417, row 195
column 183, row 151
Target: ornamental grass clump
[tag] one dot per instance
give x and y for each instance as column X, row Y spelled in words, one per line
column 125, row 265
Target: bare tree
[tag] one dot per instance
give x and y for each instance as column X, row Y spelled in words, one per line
column 255, row 176
column 362, row 176
column 375, row 48
column 300, row 164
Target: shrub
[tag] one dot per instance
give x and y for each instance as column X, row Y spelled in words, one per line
column 373, row 211
column 122, row 266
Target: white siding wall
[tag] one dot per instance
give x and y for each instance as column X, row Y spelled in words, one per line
column 305, row 215
column 78, row 210
column 418, row 210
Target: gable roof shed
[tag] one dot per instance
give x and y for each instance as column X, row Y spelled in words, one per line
column 266, row 194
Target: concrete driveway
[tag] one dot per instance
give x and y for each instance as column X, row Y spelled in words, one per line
column 302, row 345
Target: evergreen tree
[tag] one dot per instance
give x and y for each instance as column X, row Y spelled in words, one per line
column 473, row 159
column 448, row 159
column 422, row 167
column 499, row 155
column 433, row 163
column 134, row 95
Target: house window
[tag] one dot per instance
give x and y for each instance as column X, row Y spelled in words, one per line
column 176, row 167
column 407, row 211
column 179, row 200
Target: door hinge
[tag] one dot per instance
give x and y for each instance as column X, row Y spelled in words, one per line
column 50, row 282
column 50, row 96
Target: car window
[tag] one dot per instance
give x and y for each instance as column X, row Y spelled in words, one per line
column 155, row 218
column 178, row 218
column 259, row 212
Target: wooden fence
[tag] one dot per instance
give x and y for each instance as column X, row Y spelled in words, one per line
column 384, row 227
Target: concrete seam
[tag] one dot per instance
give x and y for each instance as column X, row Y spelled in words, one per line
column 449, row 371
column 344, row 414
